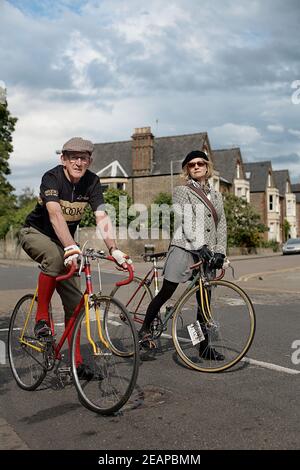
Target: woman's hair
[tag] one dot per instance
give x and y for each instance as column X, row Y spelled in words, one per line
column 210, row 171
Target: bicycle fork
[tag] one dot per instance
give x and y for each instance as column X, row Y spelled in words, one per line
column 205, row 303
column 96, row 349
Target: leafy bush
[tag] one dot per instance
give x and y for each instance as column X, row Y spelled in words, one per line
column 244, row 227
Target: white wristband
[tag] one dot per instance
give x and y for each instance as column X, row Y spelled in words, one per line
column 71, row 247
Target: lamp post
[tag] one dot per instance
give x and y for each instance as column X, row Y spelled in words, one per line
column 171, row 171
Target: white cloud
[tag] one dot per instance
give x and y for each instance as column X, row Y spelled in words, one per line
column 275, row 128
column 235, row 134
column 294, row 132
column 100, row 68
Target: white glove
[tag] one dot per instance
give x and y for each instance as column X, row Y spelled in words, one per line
column 71, row 254
column 119, row 256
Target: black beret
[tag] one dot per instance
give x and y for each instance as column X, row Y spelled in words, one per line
column 194, row 154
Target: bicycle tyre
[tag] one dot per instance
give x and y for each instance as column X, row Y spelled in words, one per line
column 25, row 362
column 231, row 332
column 138, row 304
column 115, row 374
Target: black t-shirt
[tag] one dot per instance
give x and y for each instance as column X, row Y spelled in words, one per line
column 72, row 198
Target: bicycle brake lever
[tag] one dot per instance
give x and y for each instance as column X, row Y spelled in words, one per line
column 81, row 265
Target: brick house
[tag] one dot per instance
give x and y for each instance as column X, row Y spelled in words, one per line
column 296, row 191
column 287, row 202
column 264, row 196
column 147, row 165
column 229, row 164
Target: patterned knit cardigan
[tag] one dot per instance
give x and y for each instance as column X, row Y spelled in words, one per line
column 194, row 223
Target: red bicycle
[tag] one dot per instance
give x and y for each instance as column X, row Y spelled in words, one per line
column 102, row 333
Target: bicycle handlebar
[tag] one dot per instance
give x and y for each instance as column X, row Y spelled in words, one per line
column 69, row 273
column 74, row 268
column 197, row 265
column 130, row 272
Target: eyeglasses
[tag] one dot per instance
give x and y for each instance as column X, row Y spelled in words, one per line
column 193, row 164
column 73, row 157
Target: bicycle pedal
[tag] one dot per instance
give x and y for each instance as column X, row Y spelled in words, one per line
column 147, row 344
column 64, row 371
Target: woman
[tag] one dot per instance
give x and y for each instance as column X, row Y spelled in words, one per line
column 200, row 226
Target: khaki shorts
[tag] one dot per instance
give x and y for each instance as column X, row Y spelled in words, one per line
column 50, row 257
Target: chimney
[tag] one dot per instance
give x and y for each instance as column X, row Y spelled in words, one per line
column 142, row 151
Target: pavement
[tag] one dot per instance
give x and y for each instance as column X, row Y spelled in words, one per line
column 255, row 278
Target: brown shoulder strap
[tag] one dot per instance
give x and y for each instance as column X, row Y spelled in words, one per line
column 206, row 201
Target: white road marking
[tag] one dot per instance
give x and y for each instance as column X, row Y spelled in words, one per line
column 255, row 362
column 269, row 365
column 265, row 365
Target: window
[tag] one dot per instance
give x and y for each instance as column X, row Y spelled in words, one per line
column 239, row 192
column 271, row 202
column 238, row 171
column 120, row 185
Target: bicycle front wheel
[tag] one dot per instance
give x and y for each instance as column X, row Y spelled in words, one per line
column 25, row 352
column 229, row 332
column 108, row 344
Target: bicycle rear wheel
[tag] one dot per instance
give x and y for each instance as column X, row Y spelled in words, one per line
column 25, row 352
column 116, row 360
column 230, row 331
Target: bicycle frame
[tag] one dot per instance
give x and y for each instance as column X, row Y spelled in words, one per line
column 201, row 278
column 152, row 274
column 147, row 279
column 84, row 302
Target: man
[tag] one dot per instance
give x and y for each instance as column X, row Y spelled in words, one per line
column 48, row 233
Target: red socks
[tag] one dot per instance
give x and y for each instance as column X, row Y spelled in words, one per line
column 46, row 286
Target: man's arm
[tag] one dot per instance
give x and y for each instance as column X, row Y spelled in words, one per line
column 105, row 230
column 59, row 224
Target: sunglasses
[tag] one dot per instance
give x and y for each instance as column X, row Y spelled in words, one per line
column 194, row 164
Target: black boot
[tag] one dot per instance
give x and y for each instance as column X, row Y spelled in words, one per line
column 208, row 352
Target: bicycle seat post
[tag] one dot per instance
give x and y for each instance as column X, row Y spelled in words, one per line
column 155, row 269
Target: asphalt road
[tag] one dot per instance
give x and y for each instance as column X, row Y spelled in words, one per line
column 252, row 406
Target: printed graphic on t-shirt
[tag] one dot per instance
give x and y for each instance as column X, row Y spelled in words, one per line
column 51, row 192
column 72, row 211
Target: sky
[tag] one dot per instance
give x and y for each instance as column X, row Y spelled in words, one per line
column 100, row 68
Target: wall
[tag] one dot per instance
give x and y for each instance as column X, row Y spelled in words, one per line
column 144, row 190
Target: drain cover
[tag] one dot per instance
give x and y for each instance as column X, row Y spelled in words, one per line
column 147, row 396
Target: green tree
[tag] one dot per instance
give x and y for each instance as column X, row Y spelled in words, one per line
column 286, row 229
column 7, row 198
column 27, row 196
column 161, row 215
column 15, row 218
column 244, row 227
